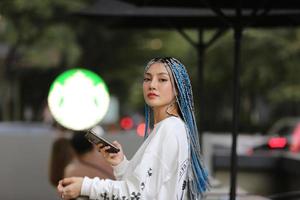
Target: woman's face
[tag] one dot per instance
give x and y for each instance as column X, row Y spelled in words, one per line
column 157, row 86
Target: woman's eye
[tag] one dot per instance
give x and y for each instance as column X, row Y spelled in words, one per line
column 146, row 79
column 163, row 80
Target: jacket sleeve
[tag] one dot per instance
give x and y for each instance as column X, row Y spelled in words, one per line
column 120, row 169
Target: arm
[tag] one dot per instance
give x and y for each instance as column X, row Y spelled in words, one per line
column 144, row 182
column 156, row 167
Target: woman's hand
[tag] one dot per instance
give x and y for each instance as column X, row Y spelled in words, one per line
column 69, row 188
column 112, row 158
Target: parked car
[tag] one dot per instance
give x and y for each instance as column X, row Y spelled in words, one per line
column 283, row 135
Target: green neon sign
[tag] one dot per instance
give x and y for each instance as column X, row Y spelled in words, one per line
column 78, row 99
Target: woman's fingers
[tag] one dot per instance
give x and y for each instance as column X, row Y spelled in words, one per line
column 68, row 181
column 100, row 145
column 112, row 158
column 60, row 186
column 117, row 144
column 68, row 192
column 60, row 189
column 69, row 188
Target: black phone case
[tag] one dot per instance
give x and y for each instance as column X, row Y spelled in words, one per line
column 93, row 138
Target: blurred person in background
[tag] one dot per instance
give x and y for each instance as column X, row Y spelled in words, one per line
column 168, row 164
column 61, row 155
column 87, row 161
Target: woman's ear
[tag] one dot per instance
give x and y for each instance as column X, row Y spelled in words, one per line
column 176, row 92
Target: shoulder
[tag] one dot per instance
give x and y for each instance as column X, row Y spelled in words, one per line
column 172, row 130
column 171, row 141
column 174, row 124
column 173, row 121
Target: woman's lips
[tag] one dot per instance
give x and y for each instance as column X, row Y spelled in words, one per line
column 151, row 95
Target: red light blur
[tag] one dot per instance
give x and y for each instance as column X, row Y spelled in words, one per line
column 277, row 142
column 295, row 146
column 250, row 152
column 126, row 123
column 140, row 130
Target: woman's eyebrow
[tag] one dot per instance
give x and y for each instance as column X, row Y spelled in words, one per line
column 161, row 73
column 147, row 74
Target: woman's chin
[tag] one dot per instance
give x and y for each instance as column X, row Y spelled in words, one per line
column 152, row 103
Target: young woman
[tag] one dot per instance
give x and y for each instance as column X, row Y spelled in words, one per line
column 168, row 165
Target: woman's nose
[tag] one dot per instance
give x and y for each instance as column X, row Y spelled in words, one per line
column 153, row 84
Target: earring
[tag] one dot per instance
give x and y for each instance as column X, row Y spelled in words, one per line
column 170, row 112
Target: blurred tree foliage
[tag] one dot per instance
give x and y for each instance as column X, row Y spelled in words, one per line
column 269, row 78
column 44, row 35
column 37, row 32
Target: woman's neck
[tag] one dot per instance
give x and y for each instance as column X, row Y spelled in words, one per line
column 159, row 115
column 162, row 113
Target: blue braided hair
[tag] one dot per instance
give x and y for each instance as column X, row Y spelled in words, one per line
column 197, row 176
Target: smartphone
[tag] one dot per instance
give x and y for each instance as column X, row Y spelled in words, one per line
column 92, row 136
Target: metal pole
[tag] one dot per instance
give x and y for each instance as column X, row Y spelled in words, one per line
column 236, row 100
column 200, row 51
